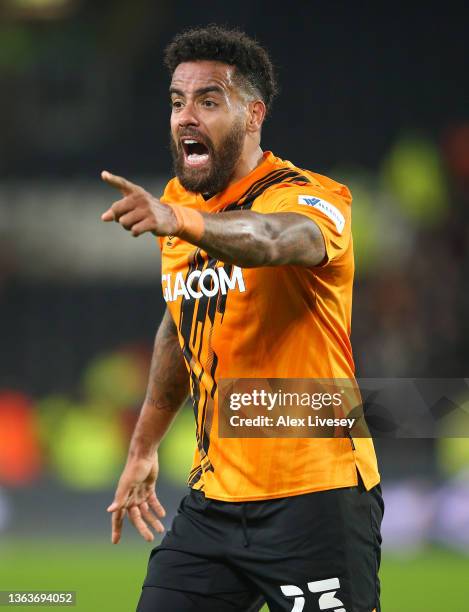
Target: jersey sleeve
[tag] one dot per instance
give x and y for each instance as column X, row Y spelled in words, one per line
column 163, row 198
column 330, row 211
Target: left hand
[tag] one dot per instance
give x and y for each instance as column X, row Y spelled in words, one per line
column 135, row 495
column 138, row 211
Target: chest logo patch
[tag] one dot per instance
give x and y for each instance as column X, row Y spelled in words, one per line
column 207, row 282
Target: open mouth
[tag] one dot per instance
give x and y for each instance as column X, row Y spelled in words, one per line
column 195, row 152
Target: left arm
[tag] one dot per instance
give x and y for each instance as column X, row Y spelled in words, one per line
column 251, row 240
column 243, row 238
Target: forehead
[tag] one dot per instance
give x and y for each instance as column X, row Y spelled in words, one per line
column 190, row 76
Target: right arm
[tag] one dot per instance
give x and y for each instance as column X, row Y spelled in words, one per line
column 168, row 386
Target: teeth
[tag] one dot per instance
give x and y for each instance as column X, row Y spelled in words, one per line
column 190, row 141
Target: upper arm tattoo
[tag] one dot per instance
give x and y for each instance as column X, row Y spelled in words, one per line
column 250, row 239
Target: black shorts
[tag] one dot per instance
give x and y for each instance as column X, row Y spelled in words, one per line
column 319, row 551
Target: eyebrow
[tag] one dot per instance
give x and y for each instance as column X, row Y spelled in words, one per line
column 198, row 92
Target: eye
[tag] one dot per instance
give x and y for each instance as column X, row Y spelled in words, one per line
column 209, row 103
column 176, row 104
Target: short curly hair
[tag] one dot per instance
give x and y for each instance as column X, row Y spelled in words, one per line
column 231, row 47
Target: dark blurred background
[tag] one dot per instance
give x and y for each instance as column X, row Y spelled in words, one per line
column 376, row 96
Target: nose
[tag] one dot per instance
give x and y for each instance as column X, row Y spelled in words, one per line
column 187, row 116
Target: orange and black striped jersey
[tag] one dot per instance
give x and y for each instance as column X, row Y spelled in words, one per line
column 269, row 322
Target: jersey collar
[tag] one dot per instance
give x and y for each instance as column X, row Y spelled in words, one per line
column 236, row 190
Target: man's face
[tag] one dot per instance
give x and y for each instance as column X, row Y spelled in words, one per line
column 208, row 125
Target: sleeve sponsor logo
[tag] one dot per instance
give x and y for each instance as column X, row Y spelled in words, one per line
column 327, row 208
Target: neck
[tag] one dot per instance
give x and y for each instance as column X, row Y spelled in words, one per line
column 246, row 164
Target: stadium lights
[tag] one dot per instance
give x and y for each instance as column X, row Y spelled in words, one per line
column 40, row 9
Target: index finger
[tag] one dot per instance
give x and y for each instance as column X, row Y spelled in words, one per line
column 117, row 520
column 124, row 186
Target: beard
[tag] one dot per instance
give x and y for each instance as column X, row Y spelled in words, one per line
column 216, row 174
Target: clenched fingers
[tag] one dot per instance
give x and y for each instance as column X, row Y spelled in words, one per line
column 120, row 208
column 132, row 218
column 147, row 225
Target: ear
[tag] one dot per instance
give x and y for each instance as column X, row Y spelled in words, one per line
column 256, row 115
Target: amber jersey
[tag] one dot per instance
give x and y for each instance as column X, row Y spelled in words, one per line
column 269, row 322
